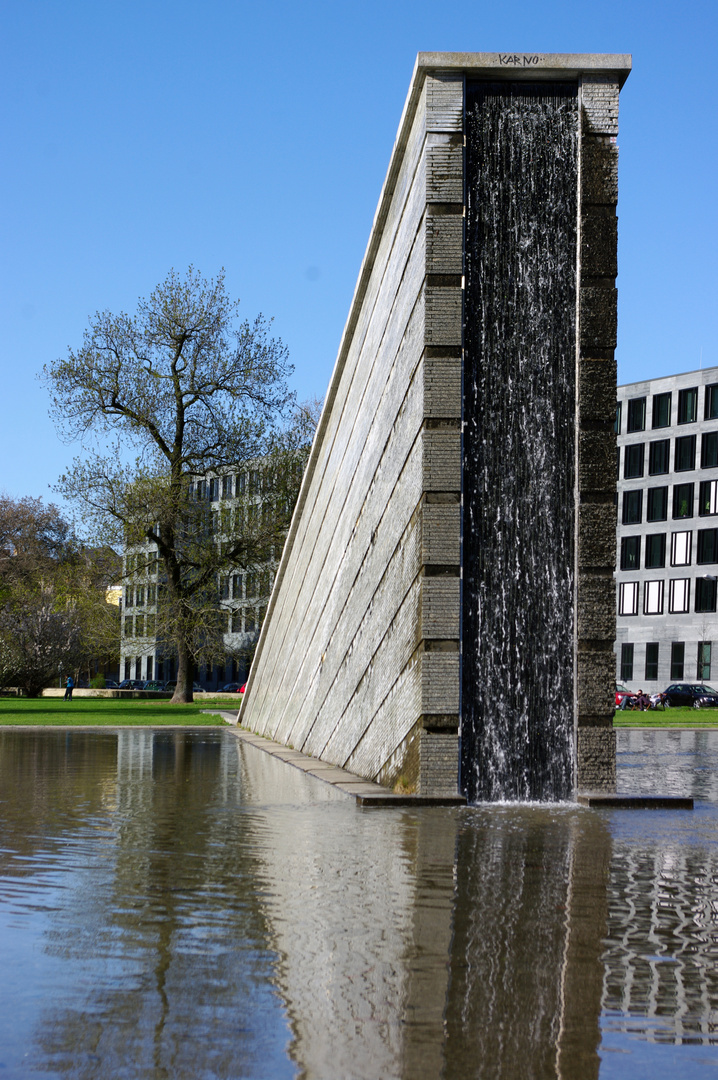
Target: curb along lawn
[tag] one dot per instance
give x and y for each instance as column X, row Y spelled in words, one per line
column 667, row 718
column 105, row 712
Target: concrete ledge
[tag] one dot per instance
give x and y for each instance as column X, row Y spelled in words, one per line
column 635, row 802
column 364, row 791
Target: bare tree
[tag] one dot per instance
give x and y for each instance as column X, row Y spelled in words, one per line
column 183, row 392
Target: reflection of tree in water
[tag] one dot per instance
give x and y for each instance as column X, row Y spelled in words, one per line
column 170, row 934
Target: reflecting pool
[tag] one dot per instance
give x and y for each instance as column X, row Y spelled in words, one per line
column 178, row 904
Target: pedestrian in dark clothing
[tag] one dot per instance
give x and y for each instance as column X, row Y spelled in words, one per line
column 68, row 688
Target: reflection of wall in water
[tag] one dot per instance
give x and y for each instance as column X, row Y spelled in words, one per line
column 529, row 922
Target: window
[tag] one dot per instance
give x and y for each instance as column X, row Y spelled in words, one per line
column 659, row 454
column 129, row 626
column 688, row 405
column 708, row 498
column 679, row 591
column 653, row 598
column 227, row 487
column 150, row 625
column 249, row 620
column 707, row 546
column 709, row 449
column 704, row 660
column 655, row 551
column 617, row 424
column 636, row 415
column 681, row 548
column 224, row 588
column 652, row 661
column 683, row 501
column 214, row 489
column 631, row 553
column 237, row 581
column 710, row 411
column 149, row 667
column 140, row 595
column 657, row 509
column 632, row 507
column 129, row 594
column 685, row 453
column 138, row 667
column 633, row 461
column 626, row 663
column 139, row 626
column 706, row 594
column 151, row 594
column 662, row 410
column 628, row 598
column 678, row 650
column 236, row 622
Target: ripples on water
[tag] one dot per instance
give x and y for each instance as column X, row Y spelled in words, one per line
column 179, row 905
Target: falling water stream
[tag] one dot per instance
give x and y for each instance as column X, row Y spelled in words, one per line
column 519, row 441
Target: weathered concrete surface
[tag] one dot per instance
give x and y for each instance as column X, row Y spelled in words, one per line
column 358, row 661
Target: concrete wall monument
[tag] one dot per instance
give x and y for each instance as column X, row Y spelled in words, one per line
column 449, row 570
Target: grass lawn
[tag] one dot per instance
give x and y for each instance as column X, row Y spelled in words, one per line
column 105, row 712
column 667, row 718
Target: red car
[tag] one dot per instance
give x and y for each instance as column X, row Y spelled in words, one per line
column 622, row 692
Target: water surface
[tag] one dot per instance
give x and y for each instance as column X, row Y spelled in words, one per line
column 177, row 904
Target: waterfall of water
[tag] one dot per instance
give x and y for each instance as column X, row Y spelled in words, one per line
column 517, row 634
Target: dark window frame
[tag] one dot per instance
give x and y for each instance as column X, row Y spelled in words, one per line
column 651, row 669
column 652, row 499
column 678, row 659
column 659, row 457
column 655, row 551
column 688, row 494
column 632, row 466
column 636, row 415
column 630, row 553
column 687, row 404
column 632, row 497
column 684, row 458
column 658, row 400
column 627, row 662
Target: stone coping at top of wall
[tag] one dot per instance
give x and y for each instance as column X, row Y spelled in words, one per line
column 365, row 792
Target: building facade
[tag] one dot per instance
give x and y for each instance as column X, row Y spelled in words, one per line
column 667, row 532
column 241, row 598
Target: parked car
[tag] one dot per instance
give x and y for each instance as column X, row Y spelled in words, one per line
column 131, row 684
column 154, row 685
column 621, row 693
column 233, row 688
column 697, row 695
column 111, row 684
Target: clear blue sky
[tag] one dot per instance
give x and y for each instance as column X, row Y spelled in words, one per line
column 143, row 136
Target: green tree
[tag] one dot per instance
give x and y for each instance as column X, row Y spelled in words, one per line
column 165, row 401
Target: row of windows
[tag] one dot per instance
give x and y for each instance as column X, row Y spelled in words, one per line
column 659, row 456
column 244, row 620
column 662, row 405
column 140, row 594
column 680, row 554
column 679, row 596
column 237, row 586
column 683, row 502
column 142, row 562
column 138, row 626
column 678, row 658
column 227, row 487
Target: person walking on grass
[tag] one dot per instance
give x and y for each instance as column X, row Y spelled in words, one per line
column 68, row 688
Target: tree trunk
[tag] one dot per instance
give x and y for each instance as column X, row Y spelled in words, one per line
column 183, row 690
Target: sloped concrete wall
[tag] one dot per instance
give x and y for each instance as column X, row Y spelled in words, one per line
column 358, row 662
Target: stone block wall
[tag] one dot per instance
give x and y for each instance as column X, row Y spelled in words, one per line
column 359, row 658
column 358, row 661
